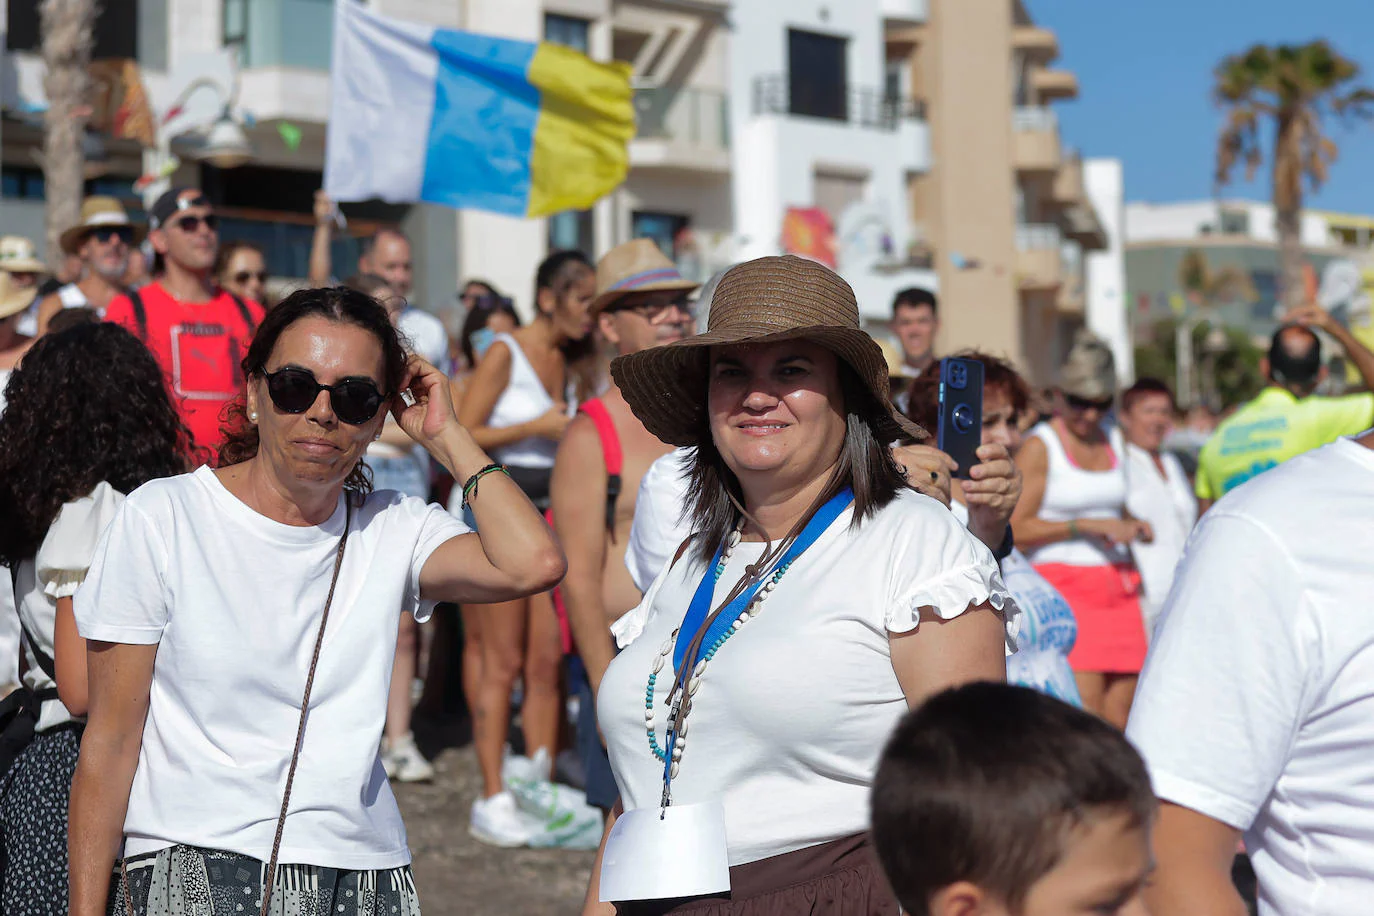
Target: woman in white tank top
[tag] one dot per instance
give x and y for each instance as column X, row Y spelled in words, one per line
column 1073, row 526
column 516, row 405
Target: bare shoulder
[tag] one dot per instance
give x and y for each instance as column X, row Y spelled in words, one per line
column 1032, row 453
column 580, row 440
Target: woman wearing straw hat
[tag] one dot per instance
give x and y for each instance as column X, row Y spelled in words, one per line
column 14, row 300
column 817, row 599
column 1073, row 525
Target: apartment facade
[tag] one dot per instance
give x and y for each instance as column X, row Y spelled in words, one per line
column 270, row 59
column 1004, row 204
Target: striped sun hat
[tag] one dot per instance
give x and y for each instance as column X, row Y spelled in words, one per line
column 638, row 266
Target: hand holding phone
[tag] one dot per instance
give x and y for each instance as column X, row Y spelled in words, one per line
column 960, row 429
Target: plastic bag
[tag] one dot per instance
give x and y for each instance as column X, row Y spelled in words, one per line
column 568, row 822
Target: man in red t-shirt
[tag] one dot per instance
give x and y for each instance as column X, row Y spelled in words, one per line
column 198, row 332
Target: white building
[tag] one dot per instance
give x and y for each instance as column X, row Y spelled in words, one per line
column 1106, row 268
column 816, row 122
column 680, row 164
column 1192, row 219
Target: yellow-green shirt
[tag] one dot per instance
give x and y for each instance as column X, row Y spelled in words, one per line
column 1272, row 428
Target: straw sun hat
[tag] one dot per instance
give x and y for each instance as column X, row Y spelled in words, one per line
column 97, row 212
column 637, row 266
column 1089, row 372
column 760, row 301
column 14, row 300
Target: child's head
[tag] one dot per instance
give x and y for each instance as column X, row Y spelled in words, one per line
column 1000, row 801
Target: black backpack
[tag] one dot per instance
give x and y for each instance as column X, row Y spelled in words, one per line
column 20, row 710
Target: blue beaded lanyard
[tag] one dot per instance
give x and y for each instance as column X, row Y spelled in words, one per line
column 721, row 625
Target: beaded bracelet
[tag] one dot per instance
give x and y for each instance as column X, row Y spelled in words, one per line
column 470, row 488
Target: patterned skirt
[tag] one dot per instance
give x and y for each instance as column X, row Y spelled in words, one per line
column 33, row 824
column 186, row 881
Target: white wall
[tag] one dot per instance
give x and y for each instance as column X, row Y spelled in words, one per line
column 1106, row 270
column 1150, row 222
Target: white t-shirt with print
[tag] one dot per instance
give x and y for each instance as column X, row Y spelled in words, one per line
column 793, row 712
column 233, row 600
column 56, row 571
column 1256, row 704
column 1167, row 502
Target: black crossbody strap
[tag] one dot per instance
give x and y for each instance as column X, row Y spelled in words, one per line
column 140, row 314
column 45, row 663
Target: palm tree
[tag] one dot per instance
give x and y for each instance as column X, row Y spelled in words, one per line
column 68, row 27
column 1297, row 86
column 1204, row 288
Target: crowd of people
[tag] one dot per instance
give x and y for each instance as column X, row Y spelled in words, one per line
column 813, row 665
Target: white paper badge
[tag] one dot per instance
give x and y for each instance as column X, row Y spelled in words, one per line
column 681, row 855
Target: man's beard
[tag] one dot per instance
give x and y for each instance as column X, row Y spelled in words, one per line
column 113, row 273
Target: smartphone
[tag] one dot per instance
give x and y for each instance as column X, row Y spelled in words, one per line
column 960, row 429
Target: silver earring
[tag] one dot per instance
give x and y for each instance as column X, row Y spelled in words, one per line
column 253, row 417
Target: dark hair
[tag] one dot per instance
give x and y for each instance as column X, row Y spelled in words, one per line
column 71, row 318
column 556, row 273
column 87, row 404
column 912, row 297
column 1146, row 386
column 923, row 395
column 981, row 783
column 1295, row 357
column 477, row 318
column 866, row 465
column 490, row 290
column 338, row 304
column 227, row 250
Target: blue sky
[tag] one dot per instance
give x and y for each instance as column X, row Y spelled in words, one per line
column 1144, row 70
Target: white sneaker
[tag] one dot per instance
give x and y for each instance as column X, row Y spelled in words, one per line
column 498, row 821
column 403, row 761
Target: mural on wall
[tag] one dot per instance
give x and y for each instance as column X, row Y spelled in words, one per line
column 810, row 233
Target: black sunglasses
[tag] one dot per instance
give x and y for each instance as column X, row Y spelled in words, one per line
column 1102, row 405
column 189, row 224
column 355, row 401
column 244, row 276
column 104, row 233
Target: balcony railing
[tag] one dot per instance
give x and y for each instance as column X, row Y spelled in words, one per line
column 1034, row 117
column 1038, row 237
column 861, row 106
column 693, row 117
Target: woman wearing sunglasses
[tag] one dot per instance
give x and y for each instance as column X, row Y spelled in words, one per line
column 1073, row 525
column 241, row 269
column 224, row 603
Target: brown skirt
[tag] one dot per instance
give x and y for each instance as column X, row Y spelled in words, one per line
column 839, row 878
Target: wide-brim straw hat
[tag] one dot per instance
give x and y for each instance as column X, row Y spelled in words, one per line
column 637, row 266
column 14, row 300
column 759, row 301
column 1089, row 372
column 96, row 213
column 20, row 255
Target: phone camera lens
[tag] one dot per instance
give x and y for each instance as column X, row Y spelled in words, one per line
column 963, row 418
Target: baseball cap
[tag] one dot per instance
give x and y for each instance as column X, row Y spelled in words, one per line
column 173, row 202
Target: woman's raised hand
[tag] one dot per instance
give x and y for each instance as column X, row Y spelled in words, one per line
column 431, row 414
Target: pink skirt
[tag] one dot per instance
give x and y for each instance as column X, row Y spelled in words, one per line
column 1106, row 604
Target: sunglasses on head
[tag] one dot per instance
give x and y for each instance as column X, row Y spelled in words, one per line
column 103, row 234
column 244, row 276
column 189, row 224
column 355, row 401
column 1102, row 405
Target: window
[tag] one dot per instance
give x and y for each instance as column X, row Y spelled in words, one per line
column 817, row 75
column 116, row 28
column 893, row 71
column 663, row 228
column 23, row 183
column 573, row 229
column 1235, row 222
column 567, row 30
column 836, row 192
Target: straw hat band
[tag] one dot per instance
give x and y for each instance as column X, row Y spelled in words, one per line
column 635, row 281
column 107, row 218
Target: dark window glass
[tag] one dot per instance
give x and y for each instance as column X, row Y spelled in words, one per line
column 663, row 228
column 572, row 229
column 566, row 30
column 116, row 28
column 817, row 75
column 23, row 183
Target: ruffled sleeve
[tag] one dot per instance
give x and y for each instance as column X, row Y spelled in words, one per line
column 937, row 564
column 66, row 552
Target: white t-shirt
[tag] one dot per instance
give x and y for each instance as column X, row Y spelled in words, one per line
column 1256, row 705
column 1167, row 503
column 233, row 600
column 793, row 712
column 56, row 571
column 425, row 334
column 661, row 521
